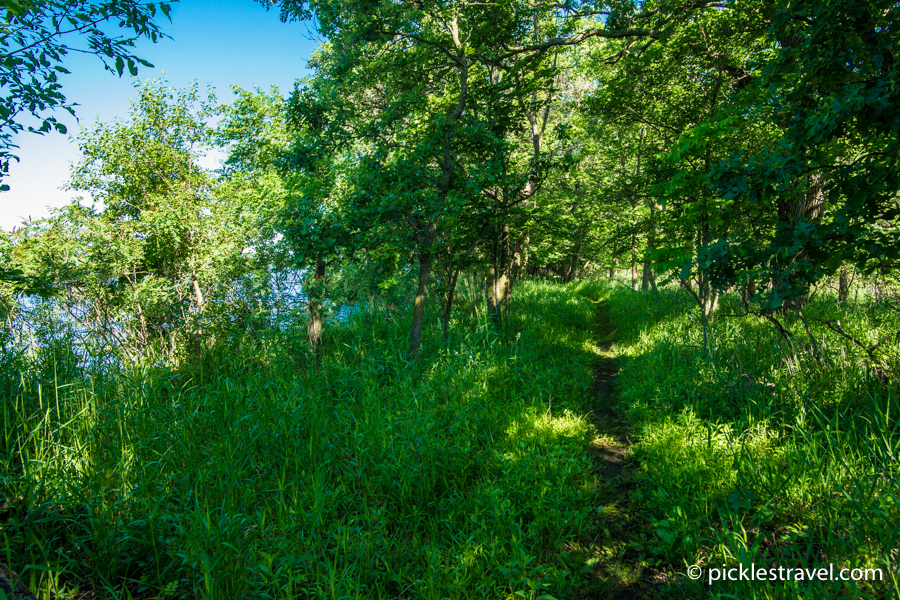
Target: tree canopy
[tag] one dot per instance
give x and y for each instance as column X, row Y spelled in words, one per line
column 738, row 145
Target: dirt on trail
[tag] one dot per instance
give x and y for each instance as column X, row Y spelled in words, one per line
column 618, row 572
column 610, row 447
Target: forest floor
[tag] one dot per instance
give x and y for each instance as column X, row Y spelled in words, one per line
column 742, row 450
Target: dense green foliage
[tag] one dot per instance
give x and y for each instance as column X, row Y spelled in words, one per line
column 37, row 36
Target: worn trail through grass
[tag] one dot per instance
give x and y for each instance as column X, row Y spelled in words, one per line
column 609, row 452
column 610, row 447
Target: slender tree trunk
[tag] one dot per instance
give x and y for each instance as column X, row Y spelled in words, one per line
column 426, row 251
column 506, row 266
column 634, row 271
column 612, row 273
column 196, row 335
column 448, row 304
column 645, row 276
column 198, row 294
column 500, row 278
column 574, row 260
column 492, row 306
column 144, row 333
column 524, row 252
column 703, row 295
column 314, row 301
column 649, row 278
column 425, row 261
column 634, row 206
column 844, row 284
column 748, row 291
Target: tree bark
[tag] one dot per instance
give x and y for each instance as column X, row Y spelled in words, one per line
column 649, row 279
column 844, row 284
column 805, row 204
column 198, row 294
column 574, row 260
column 12, row 586
column 634, row 273
column 426, row 258
column 491, row 292
column 448, row 304
column 750, row 290
column 500, row 278
column 314, row 306
column 645, row 276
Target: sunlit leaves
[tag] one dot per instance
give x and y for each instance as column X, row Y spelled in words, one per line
column 37, row 36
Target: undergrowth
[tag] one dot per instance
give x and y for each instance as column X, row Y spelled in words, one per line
column 262, row 473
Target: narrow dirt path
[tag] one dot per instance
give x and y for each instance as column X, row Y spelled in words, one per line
column 618, row 572
column 610, row 447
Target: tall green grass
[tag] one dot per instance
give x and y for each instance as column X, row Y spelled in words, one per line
column 754, row 450
column 259, row 473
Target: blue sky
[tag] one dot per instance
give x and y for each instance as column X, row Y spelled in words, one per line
column 222, row 43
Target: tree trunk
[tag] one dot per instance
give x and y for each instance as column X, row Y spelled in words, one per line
column 574, row 260
column 448, row 304
column 12, row 586
column 198, row 294
column 649, row 278
column 415, row 335
column 314, row 301
column 805, row 204
column 612, row 273
column 505, row 266
column 708, row 300
column 525, row 247
column 844, row 284
column 491, row 291
column 645, row 276
column 499, row 293
column 634, row 273
column 714, row 302
column 195, row 339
